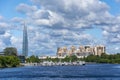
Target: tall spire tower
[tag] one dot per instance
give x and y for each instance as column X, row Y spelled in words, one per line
column 25, row 42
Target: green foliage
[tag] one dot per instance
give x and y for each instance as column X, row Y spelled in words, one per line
column 72, row 58
column 55, row 60
column 33, row 59
column 104, row 58
column 9, row 61
column 66, row 59
column 48, row 59
column 10, row 51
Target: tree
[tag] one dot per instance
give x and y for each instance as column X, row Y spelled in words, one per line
column 48, row 59
column 73, row 58
column 33, row 59
column 10, row 51
column 70, row 58
column 9, row 61
column 66, row 59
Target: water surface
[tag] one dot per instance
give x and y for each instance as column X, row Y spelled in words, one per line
column 87, row 72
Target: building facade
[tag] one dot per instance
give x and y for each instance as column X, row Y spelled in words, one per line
column 82, row 51
column 25, row 42
column 99, row 49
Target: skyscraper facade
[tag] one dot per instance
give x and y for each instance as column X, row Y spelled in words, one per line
column 25, row 42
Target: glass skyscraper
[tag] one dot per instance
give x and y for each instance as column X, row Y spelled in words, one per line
column 25, row 42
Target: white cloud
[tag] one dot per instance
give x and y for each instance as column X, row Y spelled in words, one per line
column 56, row 23
column 16, row 42
column 76, row 14
column 24, row 8
column 17, row 19
column 117, row 0
column 117, row 48
column 105, row 33
column 3, row 24
column 64, row 22
column 1, row 17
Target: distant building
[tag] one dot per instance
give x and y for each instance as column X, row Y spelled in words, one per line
column 62, row 51
column 98, row 50
column 21, row 58
column 25, row 42
column 82, row 51
column 2, row 54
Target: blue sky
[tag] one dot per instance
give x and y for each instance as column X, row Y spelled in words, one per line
column 9, row 6
column 114, row 6
column 54, row 23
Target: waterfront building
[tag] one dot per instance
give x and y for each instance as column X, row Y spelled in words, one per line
column 62, row 51
column 2, row 54
column 73, row 50
column 82, row 51
column 25, row 42
column 98, row 50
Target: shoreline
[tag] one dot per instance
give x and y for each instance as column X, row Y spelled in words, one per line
column 46, row 63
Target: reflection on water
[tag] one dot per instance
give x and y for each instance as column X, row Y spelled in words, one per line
column 87, row 72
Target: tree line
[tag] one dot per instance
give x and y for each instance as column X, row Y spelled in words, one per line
column 35, row 59
column 104, row 58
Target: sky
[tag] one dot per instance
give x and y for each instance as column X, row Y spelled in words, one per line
column 57, row 23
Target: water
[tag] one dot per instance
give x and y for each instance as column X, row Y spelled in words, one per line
column 87, row 72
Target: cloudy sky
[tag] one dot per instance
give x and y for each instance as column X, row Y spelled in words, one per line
column 56, row 23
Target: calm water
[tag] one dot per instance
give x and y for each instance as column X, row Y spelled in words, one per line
column 87, row 72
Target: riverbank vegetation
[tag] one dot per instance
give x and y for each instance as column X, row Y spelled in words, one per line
column 35, row 59
column 9, row 58
column 9, row 61
column 104, row 58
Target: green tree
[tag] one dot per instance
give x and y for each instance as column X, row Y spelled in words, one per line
column 55, row 60
column 10, row 51
column 70, row 58
column 66, row 59
column 9, row 61
column 73, row 58
column 48, row 59
column 33, row 59
column 2, row 61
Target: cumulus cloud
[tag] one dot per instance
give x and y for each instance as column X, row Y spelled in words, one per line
column 111, row 31
column 24, row 8
column 5, row 40
column 117, row 0
column 17, row 20
column 76, row 14
column 1, row 17
column 57, row 23
column 3, row 24
column 60, row 23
